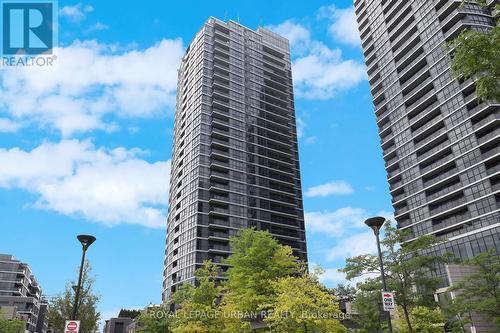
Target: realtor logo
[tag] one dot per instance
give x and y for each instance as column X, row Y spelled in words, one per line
column 27, row 27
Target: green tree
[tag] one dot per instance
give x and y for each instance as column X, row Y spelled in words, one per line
column 257, row 260
column 264, row 277
column 407, row 271
column 127, row 313
column 477, row 56
column 301, row 304
column 61, row 307
column 344, row 292
column 426, row 320
column 199, row 305
column 480, row 291
column 155, row 319
column 11, row 325
column 367, row 306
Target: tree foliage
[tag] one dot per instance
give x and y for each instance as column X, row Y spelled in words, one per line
column 301, row 304
column 426, row 320
column 343, row 291
column 257, row 259
column 477, row 56
column 367, row 306
column 61, row 307
column 127, row 313
column 480, row 291
column 407, row 272
column 264, row 280
column 11, row 325
column 199, row 311
column 155, row 319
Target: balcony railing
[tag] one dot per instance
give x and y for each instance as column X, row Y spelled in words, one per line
column 437, row 163
column 428, row 125
column 431, row 138
column 433, row 150
column 440, row 177
column 489, row 136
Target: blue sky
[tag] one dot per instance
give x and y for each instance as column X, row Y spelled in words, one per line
column 85, row 146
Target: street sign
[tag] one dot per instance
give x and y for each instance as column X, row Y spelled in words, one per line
column 388, row 301
column 72, row 326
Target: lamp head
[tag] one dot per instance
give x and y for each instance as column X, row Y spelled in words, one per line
column 375, row 223
column 86, row 240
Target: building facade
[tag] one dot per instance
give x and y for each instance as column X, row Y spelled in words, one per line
column 42, row 321
column 117, row 325
column 235, row 157
column 20, row 290
column 440, row 143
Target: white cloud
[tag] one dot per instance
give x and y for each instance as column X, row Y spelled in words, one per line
column 76, row 13
column 310, row 140
column 97, row 27
column 335, row 223
column 350, row 237
column 332, row 275
column 354, row 245
column 389, row 216
column 337, row 188
column 90, row 81
column 343, row 25
column 298, row 35
column 76, row 178
column 323, row 72
column 341, row 221
column 301, row 125
column 319, row 71
column 7, row 125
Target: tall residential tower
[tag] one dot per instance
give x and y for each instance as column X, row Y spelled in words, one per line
column 235, row 160
column 440, row 143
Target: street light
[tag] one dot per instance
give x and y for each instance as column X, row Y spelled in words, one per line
column 86, row 241
column 376, row 224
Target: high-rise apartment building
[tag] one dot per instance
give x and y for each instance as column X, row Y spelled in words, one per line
column 235, row 160
column 20, row 291
column 440, row 143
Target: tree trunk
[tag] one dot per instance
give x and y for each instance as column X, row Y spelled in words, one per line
column 407, row 318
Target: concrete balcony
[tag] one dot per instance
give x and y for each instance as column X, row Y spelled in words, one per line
column 218, row 199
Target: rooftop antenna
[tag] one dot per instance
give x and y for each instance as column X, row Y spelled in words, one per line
column 225, row 15
column 238, row 18
column 260, row 22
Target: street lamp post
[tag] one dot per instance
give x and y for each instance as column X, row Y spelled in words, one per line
column 376, row 224
column 86, row 241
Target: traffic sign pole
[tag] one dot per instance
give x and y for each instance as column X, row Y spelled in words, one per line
column 384, row 285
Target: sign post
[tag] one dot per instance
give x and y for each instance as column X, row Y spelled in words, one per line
column 72, row 326
column 388, row 301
